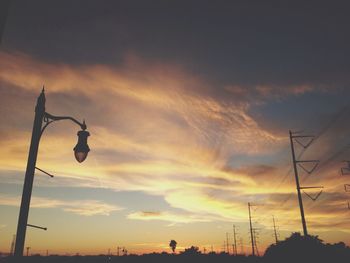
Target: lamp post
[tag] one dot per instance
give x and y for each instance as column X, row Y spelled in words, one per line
column 80, row 151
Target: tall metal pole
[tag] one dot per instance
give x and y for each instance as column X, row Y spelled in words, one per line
column 29, row 175
column 298, row 185
column 274, row 229
column 227, row 244
column 242, row 246
column 251, row 231
column 234, row 240
column 27, row 251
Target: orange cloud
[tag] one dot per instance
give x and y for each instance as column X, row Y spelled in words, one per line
column 156, row 129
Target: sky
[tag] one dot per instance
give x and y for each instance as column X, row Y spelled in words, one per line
column 189, row 106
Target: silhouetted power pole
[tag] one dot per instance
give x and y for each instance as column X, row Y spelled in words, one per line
column 227, row 244
column 27, row 251
column 274, row 229
column 234, row 241
column 309, row 171
column 13, row 245
column 241, row 244
column 251, row 230
column 255, row 233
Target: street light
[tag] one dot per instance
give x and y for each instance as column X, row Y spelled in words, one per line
column 80, row 152
column 82, row 148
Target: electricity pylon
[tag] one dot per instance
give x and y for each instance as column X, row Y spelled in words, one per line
column 293, row 137
column 13, row 245
column 227, row 244
column 255, row 234
column 274, row 229
column 251, row 230
column 27, row 251
column 234, row 241
column 242, row 246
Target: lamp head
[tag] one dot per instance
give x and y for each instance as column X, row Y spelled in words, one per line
column 82, row 148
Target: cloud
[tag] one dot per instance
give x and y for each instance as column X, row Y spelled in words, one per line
column 166, row 216
column 79, row 207
column 157, row 129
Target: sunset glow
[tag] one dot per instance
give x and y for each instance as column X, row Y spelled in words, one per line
column 176, row 152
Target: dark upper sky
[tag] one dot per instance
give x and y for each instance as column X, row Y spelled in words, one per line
column 247, row 42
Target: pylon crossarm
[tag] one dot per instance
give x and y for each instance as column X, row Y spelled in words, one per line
column 301, row 136
column 347, row 187
column 345, row 171
column 311, row 187
column 302, row 144
column 311, row 197
column 309, row 171
column 348, row 162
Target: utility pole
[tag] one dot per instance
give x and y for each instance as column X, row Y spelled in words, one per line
column 27, row 251
column 251, row 230
column 255, row 243
column 29, row 176
column 274, row 229
column 227, row 244
column 13, row 245
column 234, row 240
column 293, row 137
column 298, row 185
column 242, row 246
column 81, row 150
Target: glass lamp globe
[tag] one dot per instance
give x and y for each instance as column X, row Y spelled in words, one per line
column 82, row 149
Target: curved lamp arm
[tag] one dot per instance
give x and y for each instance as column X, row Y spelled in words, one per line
column 48, row 118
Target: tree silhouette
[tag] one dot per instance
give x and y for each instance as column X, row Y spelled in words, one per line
column 173, row 244
column 192, row 251
column 298, row 248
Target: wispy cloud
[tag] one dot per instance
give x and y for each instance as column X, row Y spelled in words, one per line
column 157, row 129
column 80, row 207
column 167, row 216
